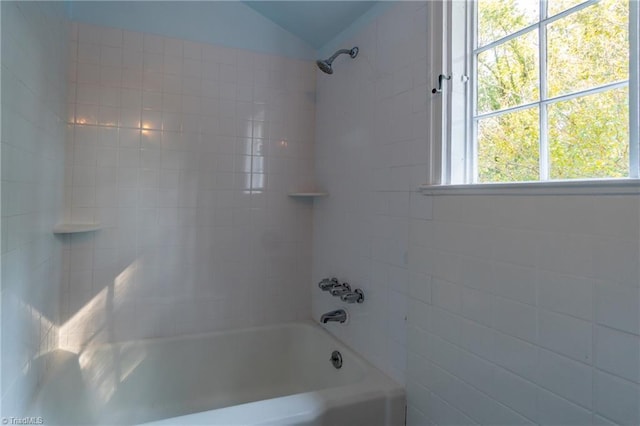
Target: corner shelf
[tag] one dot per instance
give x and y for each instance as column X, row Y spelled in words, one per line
column 308, row 194
column 73, row 228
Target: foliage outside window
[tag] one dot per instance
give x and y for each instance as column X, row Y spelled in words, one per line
column 551, row 87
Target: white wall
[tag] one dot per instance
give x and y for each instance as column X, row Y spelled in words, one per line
column 185, row 153
column 34, row 61
column 370, row 155
column 520, row 309
column 526, row 311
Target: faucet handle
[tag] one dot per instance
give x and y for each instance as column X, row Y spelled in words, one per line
column 356, row 296
column 340, row 289
column 328, row 283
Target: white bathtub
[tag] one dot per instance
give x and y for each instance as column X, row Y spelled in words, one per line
column 276, row 375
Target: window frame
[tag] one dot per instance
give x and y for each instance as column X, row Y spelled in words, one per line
column 456, row 163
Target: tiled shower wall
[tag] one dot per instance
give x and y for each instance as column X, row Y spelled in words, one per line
column 185, row 153
column 35, row 36
column 520, row 309
column 526, row 311
column 370, row 155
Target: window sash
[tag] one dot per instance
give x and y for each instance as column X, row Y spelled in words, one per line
column 470, row 148
column 542, row 20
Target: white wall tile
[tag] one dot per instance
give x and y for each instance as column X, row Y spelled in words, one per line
column 566, row 294
column 617, row 306
column 569, row 336
column 513, row 354
column 514, row 392
column 446, row 295
column 555, row 410
column 618, row 353
column 514, row 282
column 477, row 306
column 516, row 319
column 161, row 186
column 516, row 246
column 616, row 399
column 565, row 377
column 33, row 178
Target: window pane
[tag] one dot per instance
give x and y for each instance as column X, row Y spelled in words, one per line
column 508, row 147
column 499, row 18
column 588, row 48
column 508, row 74
column 556, row 6
column 589, row 136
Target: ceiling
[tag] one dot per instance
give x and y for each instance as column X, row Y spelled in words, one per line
column 315, row 22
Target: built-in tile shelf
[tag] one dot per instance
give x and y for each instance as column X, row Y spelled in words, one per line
column 73, row 228
column 308, row 194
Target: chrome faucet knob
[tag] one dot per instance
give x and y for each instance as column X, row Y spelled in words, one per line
column 324, row 284
column 328, row 283
column 356, row 296
column 340, row 289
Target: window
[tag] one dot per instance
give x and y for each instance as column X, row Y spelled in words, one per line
column 548, row 91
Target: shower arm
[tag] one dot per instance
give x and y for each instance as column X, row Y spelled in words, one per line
column 351, row 52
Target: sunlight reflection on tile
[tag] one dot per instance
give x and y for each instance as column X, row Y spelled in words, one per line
column 94, row 321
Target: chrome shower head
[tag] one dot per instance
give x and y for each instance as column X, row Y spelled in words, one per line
column 325, row 65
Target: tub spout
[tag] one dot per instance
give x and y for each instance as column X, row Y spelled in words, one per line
column 339, row 315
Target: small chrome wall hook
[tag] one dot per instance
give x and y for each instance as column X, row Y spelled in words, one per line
column 440, row 78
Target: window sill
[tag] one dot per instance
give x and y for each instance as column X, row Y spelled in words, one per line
column 573, row 187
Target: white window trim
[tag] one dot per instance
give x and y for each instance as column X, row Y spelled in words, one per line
column 550, row 187
column 634, row 88
column 442, row 61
